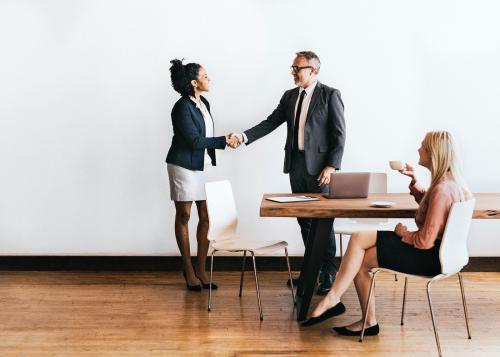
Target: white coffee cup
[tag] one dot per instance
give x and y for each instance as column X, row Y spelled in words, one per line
column 396, row 165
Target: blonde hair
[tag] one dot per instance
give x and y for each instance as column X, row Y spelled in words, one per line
column 443, row 153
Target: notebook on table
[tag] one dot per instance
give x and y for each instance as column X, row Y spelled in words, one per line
column 286, row 199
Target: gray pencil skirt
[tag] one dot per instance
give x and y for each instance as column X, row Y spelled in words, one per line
column 186, row 185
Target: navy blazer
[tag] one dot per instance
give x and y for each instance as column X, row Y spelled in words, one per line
column 189, row 141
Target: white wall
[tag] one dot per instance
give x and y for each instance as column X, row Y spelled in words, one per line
column 85, row 102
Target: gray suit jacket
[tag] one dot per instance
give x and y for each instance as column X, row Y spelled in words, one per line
column 324, row 133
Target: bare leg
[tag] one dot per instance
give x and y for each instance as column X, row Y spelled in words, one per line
column 362, row 282
column 203, row 242
column 182, row 214
column 351, row 264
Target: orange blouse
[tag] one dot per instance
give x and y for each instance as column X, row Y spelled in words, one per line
column 432, row 214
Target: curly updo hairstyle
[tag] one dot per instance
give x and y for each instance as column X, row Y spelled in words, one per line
column 182, row 75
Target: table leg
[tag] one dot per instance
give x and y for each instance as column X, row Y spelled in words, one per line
column 317, row 243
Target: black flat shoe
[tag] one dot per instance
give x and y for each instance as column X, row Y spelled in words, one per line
column 370, row 331
column 190, row 287
column 331, row 312
column 207, row 285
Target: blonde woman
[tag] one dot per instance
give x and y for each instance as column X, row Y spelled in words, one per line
column 410, row 252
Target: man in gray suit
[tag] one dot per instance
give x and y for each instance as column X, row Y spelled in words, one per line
column 314, row 114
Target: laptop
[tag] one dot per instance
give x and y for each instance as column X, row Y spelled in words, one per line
column 349, row 185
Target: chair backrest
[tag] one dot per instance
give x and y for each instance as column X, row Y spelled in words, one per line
column 453, row 253
column 221, row 210
column 378, row 182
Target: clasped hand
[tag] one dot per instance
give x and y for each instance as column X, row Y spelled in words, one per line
column 234, row 140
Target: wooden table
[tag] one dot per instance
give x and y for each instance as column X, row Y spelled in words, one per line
column 325, row 210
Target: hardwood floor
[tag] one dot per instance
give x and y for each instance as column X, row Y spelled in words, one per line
column 152, row 314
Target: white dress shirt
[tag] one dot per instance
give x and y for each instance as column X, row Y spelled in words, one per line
column 303, row 113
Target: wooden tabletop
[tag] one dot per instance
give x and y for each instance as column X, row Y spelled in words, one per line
column 487, row 206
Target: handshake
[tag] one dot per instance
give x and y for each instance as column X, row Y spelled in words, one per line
column 234, row 140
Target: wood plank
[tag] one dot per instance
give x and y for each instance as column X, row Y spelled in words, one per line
column 487, row 207
column 151, row 314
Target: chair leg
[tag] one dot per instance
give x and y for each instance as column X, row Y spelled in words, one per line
column 433, row 318
column 290, row 274
column 368, row 305
column 404, row 302
column 210, row 285
column 340, row 243
column 242, row 271
column 465, row 304
column 257, row 286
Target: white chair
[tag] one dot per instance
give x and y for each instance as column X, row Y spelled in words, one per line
column 223, row 237
column 453, row 256
column 347, row 226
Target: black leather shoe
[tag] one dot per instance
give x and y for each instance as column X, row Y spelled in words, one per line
column 190, row 287
column 207, row 285
column 325, row 283
column 296, row 282
column 370, row 331
column 331, row 312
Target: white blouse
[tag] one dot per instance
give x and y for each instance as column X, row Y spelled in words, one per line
column 209, row 125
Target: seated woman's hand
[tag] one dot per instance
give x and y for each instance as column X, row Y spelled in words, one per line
column 400, row 229
column 408, row 171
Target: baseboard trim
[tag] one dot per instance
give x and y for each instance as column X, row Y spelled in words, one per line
column 171, row 263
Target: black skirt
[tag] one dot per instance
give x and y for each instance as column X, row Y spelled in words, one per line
column 394, row 254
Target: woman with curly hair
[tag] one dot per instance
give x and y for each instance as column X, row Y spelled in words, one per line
column 193, row 146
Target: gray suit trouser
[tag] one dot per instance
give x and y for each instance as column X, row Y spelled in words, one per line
column 302, row 182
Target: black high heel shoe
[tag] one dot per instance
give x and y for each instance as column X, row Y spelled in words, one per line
column 331, row 312
column 207, row 285
column 190, row 287
column 369, row 331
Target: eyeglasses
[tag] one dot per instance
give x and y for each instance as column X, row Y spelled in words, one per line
column 296, row 69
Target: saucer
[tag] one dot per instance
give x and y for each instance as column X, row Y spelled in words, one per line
column 382, row 204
